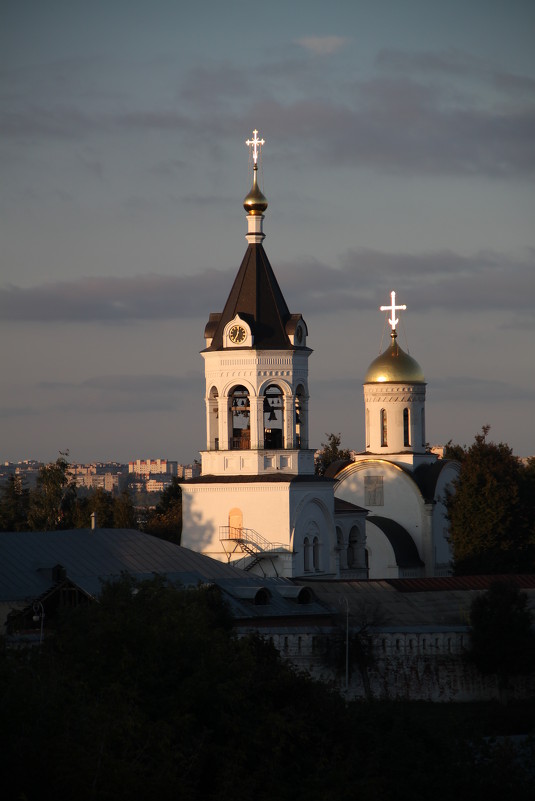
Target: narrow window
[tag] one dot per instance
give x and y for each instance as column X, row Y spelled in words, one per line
column 384, row 431
column 423, row 427
column 306, row 549
column 367, row 428
column 406, row 428
column 316, row 553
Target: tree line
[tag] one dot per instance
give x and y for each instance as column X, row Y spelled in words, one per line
column 56, row 504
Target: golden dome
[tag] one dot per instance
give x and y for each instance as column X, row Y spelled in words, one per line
column 255, row 203
column 394, row 366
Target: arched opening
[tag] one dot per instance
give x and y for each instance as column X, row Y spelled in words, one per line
column 273, row 418
column 316, row 553
column 384, row 429
column 306, row 554
column 367, row 428
column 235, row 523
column 423, row 427
column 352, row 548
column 406, row 428
column 340, row 547
column 240, row 419
column 299, row 416
column 213, row 420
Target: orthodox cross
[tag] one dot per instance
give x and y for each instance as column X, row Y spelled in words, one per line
column 256, row 144
column 393, row 308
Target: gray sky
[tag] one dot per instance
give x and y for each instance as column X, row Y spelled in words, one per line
column 399, row 155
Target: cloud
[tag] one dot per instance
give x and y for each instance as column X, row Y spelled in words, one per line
column 322, row 45
column 440, row 279
column 453, row 63
column 479, row 390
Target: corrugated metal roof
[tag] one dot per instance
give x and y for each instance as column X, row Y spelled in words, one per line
column 90, row 557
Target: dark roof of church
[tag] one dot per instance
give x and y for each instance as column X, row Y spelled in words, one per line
column 426, row 477
column 401, row 541
column 341, row 506
column 272, row 478
column 256, row 296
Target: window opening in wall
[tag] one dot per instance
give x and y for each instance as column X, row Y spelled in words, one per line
column 406, row 428
column 273, row 417
column 352, row 548
column 422, row 420
column 306, row 553
column 367, row 428
column 300, row 438
column 240, row 413
column 316, row 553
column 373, row 491
column 384, row 429
column 299, row 645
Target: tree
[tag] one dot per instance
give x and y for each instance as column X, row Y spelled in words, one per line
column 52, row 503
column 502, row 640
column 14, row 505
column 124, row 513
column 490, row 509
column 165, row 520
column 330, row 452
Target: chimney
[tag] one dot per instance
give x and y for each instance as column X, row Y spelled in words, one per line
column 93, row 521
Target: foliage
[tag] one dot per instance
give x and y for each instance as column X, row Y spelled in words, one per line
column 14, row 505
column 52, row 503
column 330, row 452
column 491, row 510
column 165, row 521
column 149, row 694
column 502, row 640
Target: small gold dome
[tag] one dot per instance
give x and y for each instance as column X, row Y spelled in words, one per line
column 255, row 203
column 394, row 366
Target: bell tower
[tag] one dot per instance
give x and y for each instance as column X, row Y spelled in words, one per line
column 256, row 366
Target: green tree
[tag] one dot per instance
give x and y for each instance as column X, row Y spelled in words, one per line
column 502, row 639
column 101, row 503
column 490, row 511
column 14, row 505
column 124, row 513
column 165, row 520
column 53, row 502
column 329, row 453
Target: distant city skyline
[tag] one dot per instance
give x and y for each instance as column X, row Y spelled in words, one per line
column 399, row 156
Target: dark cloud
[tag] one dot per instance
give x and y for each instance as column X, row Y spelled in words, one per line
column 456, row 63
column 404, row 119
column 435, row 280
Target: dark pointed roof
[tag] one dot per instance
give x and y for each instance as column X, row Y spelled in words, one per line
column 257, row 298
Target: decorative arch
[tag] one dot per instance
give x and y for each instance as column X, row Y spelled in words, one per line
column 239, row 423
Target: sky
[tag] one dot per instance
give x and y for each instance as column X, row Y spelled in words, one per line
column 399, row 155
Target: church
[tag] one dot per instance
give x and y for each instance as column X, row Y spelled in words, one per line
column 258, row 502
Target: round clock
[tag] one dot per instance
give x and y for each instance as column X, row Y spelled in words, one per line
column 237, row 334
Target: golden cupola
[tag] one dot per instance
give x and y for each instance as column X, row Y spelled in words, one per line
column 394, row 366
column 255, row 202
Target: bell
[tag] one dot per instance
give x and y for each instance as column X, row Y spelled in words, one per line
column 272, row 415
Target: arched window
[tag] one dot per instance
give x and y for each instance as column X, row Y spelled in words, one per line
column 406, row 428
column 384, row 429
column 423, row 427
column 213, row 419
column 306, row 554
column 367, row 428
column 316, row 553
column 240, row 413
column 352, row 548
column 273, row 418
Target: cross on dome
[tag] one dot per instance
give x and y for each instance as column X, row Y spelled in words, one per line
column 393, row 308
column 256, row 144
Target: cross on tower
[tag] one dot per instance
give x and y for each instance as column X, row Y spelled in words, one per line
column 393, row 308
column 256, row 144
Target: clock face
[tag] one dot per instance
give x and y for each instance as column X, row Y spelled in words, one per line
column 237, row 334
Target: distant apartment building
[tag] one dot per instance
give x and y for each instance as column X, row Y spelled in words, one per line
column 149, row 467
column 108, row 476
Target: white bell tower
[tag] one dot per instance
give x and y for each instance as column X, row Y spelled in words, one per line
column 256, row 367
